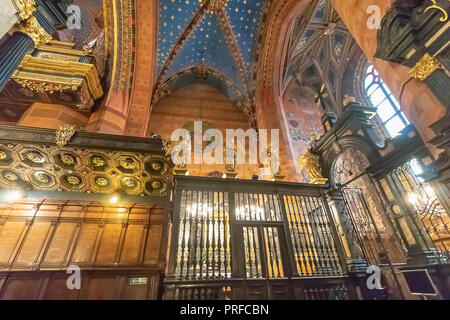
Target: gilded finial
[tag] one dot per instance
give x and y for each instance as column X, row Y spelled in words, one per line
column 64, row 134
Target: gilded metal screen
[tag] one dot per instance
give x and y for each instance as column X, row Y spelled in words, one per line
column 229, row 237
column 311, row 236
column 432, row 218
column 257, row 207
column 267, row 256
column 270, row 234
column 271, row 238
column 204, row 236
column 253, row 261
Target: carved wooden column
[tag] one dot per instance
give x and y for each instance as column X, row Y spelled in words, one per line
column 11, row 54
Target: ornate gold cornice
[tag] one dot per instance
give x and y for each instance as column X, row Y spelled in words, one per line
column 32, row 28
column 25, row 8
column 425, row 67
column 62, row 47
column 56, row 67
column 44, row 86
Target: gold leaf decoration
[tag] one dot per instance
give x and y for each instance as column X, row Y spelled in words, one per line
column 64, row 134
column 425, row 67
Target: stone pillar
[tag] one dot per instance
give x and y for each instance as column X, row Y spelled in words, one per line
column 126, row 109
column 111, row 116
column 418, row 102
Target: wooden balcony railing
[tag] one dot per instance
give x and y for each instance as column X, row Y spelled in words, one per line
column 253, row 239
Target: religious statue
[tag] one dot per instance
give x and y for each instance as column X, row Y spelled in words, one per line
column 310, row 163
column 348, row 99
column 230, row 168
column 180, row 168
column 274, row 161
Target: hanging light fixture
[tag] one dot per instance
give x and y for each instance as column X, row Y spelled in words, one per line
column 215, row 5
column 202, row 69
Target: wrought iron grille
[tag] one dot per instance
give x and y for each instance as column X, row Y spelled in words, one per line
column 365, row 226
column 367, row 209
column 310, row 231
column 327, row 292
column 204, row 237
column 257, row 207
column 429, row 213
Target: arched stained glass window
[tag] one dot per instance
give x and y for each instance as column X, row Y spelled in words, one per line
column 387, row 107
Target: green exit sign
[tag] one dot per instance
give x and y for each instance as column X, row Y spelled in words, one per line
column 138, row 281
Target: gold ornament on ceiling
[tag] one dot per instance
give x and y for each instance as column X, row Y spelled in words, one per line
column 35, row 156
column 128, row 163
column 98, row 161
column 64, row 134
column 57, row 172
column 10, row 176
column 156, row 185
column 73, row 180
column 156, row 166
column 3, row 155
column 101, row 181
column 42, row 177
column 129, row 182
column 67, row 159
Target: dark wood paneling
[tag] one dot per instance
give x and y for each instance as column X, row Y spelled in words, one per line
column 95, row 285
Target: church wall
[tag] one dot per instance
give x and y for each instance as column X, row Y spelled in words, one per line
column 269, row 115
column 50, row 116
column 199, row 102
column 303, row 120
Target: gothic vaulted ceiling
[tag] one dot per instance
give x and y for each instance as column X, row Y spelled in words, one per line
column 320, row 51
column 209, row 40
